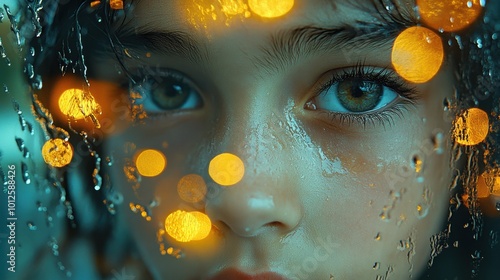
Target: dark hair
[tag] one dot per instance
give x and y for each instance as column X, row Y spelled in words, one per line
column 476, row 54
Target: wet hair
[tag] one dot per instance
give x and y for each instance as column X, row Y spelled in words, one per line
column 65, row 24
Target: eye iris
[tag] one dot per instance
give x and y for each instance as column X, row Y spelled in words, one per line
column 171, row 94
column 357, row 95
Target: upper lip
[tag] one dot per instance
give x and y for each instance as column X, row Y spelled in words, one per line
column 234, row 274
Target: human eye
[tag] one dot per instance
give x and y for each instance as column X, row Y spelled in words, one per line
column 162, row 91
column 361, row 95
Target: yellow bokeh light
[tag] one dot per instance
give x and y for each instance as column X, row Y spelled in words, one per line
column 78, row 104
column 449, row 15
column 270, row 8
column 187, row 226
column 182, row 226
column 116, row 4
column 57, row 152
column 472, row 127
column 150, row 162
column 417, row 54
column 204, row 223
column 496, row 186
column 482, row 188
column 226, row 169
column 233, row 7
column 192, row 188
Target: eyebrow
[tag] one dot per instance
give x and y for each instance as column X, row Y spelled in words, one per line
column 284, row 47
column 288, row 46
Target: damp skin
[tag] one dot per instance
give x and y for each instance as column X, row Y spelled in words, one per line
column 311, row 202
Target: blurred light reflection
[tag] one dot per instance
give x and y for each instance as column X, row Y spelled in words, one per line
column 417, row 54
column 449, row 15
column 226, row 169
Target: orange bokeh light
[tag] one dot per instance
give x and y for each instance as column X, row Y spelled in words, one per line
column 187, row 226
column 449, row 15
column 417, row 54
column 57, row 152
column 116, row 4
column 471, row 128
column 150, row 162
column 192, row 188
column 78, row 104
column 226, row 169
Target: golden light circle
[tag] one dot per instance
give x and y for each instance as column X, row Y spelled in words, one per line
column 192, row 188
column 270, row 8
column 482, row 188
column 204, row 223
column 57, row 152
column 77, row 104
column 449, row 15
column 150, row 162
column 182, row 226
column 472, row 127
column 226, row 169
column 417, row 54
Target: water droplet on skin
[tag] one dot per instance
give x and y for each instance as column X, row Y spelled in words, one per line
column 31, row 226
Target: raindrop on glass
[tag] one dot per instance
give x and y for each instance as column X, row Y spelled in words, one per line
column 25, row 174
column 376, row 266
column 31, row 226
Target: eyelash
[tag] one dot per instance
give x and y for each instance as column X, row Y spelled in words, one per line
column 407, row 95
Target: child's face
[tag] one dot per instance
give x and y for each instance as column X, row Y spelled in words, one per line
column 325, row 193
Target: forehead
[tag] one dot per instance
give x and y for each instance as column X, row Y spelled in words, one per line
column 213, row 16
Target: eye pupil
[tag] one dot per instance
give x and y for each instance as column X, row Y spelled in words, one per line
column 357, row 95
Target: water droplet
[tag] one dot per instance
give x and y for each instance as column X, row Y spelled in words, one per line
column 36, row 82
column 497, row 205
column 29, row 70
column 25, row 174
column 376, row 266
column 31, row 226
column 378, row 236
column 109, row 161
column 455, row 244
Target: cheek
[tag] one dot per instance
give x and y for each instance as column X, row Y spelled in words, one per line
column 389, row 199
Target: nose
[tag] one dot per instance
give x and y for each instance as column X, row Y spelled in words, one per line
column 249, row 209
column 268, row 196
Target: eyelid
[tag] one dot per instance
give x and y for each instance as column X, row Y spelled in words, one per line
column 407, row 95
column 145, row 76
